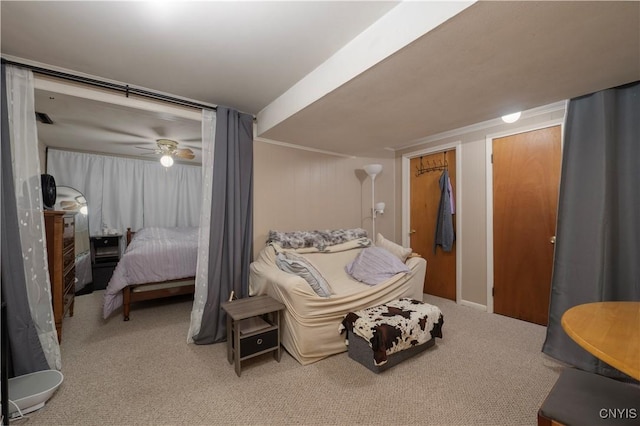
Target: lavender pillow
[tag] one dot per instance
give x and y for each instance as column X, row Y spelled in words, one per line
column 375, row 265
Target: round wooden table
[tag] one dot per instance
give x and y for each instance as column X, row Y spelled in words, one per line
column 608, row 330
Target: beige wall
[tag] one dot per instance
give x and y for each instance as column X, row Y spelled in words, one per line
column 472, row 197
column 296, row 189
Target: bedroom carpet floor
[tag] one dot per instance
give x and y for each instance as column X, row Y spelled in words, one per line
column 487, row 370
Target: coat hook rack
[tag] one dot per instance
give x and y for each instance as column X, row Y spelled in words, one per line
column 438, row 165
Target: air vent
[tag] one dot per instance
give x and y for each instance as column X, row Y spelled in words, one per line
column 43, row 118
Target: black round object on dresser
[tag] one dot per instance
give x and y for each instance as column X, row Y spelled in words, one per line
column 48, row 184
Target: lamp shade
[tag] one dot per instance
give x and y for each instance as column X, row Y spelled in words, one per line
column 373, row 169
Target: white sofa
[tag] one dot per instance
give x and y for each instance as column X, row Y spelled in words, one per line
column 310, row 323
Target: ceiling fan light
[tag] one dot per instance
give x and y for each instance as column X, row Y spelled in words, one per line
column 166, row 160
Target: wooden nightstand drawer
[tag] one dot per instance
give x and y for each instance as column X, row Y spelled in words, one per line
column 110, row 241
column 258, row 343
column 105, row 248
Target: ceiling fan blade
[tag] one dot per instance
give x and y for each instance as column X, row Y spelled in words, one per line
column 155, row 150
column 185, row 156
column 184, row 153
column 134, row 144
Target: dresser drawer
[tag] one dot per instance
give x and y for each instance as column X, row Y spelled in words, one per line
column 67, row 301
column 70, row 280
column 68, row 231
column 258, row 343
column 68, row 258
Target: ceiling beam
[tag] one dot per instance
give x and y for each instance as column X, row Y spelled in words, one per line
column 400, row 26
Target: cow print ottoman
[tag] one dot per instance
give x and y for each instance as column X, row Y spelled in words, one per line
column 383, row 336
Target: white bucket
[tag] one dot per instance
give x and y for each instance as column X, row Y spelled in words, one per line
column 29, row 392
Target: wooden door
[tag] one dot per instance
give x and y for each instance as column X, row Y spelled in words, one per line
column 440, row 279
column 526, row 175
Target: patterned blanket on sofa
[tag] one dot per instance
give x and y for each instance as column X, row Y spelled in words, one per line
column 394, row 326
column 319, row 240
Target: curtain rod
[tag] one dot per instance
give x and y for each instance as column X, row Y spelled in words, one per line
column 126, row 89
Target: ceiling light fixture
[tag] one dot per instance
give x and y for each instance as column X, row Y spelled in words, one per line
column 166, row 160
column 511, row 118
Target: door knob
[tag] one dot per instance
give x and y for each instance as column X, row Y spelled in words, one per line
column 552, row 240
column 413, row 231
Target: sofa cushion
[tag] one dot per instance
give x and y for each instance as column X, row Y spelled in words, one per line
column 401, row 252
column 300, row 266
column 375, row 265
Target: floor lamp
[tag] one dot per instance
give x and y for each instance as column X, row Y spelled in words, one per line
column 373, row 170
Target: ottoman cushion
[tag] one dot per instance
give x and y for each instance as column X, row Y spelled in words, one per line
column 394, row 326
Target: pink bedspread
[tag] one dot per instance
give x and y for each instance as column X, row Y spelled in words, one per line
column 154, row 254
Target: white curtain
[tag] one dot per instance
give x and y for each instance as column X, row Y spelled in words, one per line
column 26, row 172
column 124, row 192
column 169, row 193
column 202, row 268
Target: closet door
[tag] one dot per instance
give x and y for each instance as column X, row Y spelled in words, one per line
column 440, row 279
column 526, row 175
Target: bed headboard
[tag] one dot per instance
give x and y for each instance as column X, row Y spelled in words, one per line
column 130, row 235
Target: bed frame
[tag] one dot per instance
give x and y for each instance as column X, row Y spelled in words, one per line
column 157, row 290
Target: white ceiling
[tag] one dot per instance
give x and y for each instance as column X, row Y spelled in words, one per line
column 489, row 59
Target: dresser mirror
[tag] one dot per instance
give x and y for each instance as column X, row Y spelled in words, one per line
column 71, row 200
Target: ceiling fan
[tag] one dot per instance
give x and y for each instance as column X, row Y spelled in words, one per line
column 168, row 149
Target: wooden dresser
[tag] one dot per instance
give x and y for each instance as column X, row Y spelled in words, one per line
column 62, row 267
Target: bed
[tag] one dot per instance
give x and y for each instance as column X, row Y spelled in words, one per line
column 157, row 263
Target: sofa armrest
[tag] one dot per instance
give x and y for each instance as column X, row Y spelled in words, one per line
column 418, row 266
column 263, row 278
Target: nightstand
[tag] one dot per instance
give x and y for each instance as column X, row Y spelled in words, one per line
column 105, row 254
column 253, row 328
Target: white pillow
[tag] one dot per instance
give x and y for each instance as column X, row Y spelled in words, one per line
column 300, row 266
column 401, row 252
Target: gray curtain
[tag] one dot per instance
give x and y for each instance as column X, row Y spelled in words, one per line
column 231, row 232
column 598, row 231
column 25, row 353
